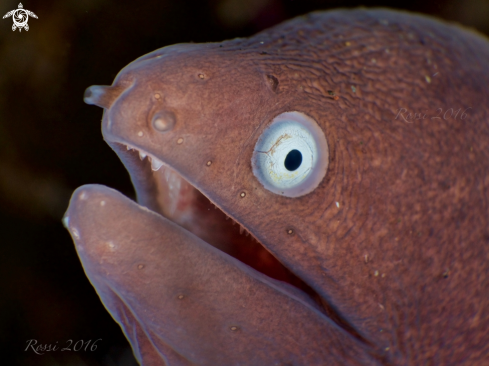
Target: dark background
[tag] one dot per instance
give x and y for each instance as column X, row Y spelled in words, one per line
column 50, row 143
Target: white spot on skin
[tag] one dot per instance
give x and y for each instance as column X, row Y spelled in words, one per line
column 111, row 246
column 83, row 196
column 75, row 233
column 428, row 79
column 338, row 204
column 102, row 203
column 140, row 134
column 376, row 273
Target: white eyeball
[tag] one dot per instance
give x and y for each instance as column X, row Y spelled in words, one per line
column 291, row 156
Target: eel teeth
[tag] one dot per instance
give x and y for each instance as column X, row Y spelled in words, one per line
column 142, row 155
column 156, row 164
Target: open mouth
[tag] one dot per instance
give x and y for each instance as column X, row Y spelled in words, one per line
column 167, row 193
column 179, row 201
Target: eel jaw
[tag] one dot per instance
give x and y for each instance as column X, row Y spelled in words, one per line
column 164, row 191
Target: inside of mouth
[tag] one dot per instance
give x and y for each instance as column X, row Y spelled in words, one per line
column 164, row 191
column 177, row 200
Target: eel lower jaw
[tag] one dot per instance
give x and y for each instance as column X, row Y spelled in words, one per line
column 162, row 190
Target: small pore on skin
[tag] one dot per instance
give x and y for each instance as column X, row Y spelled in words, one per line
column 209, row 163
column 242, row 194
column 180, row 141
column 140, row 133
column 333, row 95
column 273, row 82
column 140, row 266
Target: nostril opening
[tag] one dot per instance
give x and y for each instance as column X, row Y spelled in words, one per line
column 163, row 121
column 88, row 94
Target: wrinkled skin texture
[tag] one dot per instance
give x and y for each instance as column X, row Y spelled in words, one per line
column 390, row 250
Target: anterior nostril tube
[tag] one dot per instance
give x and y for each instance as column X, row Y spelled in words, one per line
column 103, row 95
column 163, row 121
column 100, row 95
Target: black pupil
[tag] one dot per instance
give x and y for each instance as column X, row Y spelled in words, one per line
column 293, row 160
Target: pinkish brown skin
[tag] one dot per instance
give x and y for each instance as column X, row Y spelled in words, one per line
column 393, row 241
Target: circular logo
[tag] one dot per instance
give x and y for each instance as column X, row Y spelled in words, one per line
column 20, row 18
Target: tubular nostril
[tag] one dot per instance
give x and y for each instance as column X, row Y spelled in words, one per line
column 99, row 95
column 164, row 121
column 102, row 95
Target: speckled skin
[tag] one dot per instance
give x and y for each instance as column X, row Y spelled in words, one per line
column 404, row 259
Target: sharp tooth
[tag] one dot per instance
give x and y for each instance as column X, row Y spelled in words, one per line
column 156, row 164
column 142, row 155
column 241, row 229
column 128, row 148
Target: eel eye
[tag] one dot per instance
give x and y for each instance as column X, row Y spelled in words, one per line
column 291, row 156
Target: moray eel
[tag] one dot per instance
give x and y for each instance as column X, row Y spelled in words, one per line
column 316, row 194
